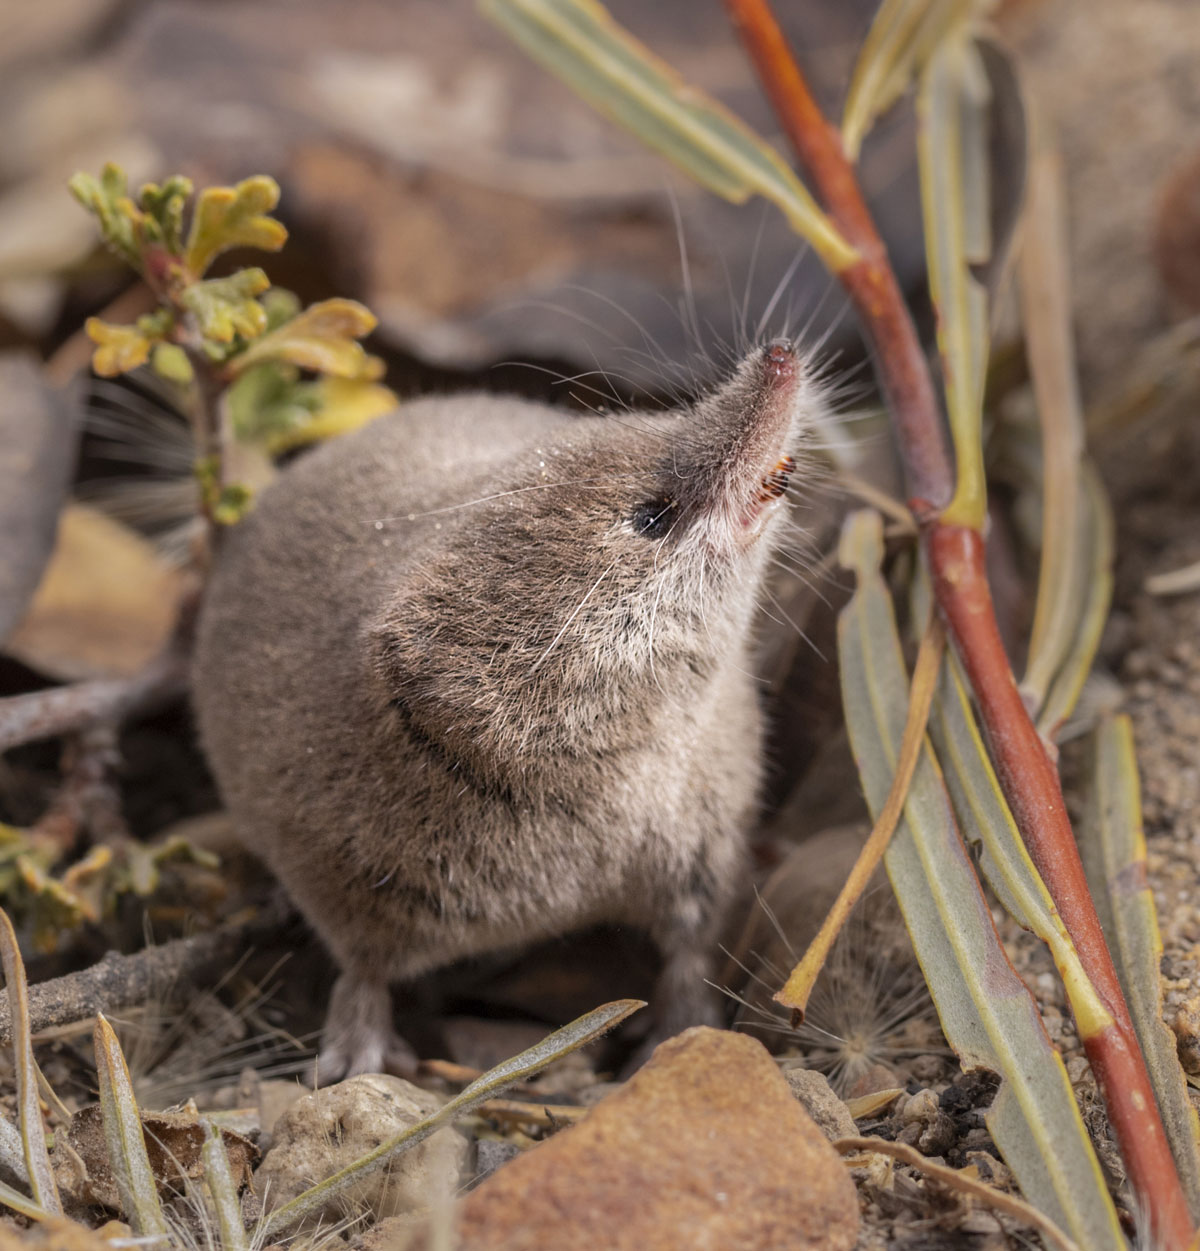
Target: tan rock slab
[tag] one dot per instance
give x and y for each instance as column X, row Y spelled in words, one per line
column 705, row 1148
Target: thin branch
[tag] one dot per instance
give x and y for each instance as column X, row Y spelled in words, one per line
column 69, row 709
column 118, row 981
column 82, row 705
column 954, row 1179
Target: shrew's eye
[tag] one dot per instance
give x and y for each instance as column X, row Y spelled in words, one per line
column 655, row 518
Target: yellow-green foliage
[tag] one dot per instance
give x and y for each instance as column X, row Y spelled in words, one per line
column 237, row 328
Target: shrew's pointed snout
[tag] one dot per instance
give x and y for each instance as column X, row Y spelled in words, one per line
column 740, row 459
column 780, row 359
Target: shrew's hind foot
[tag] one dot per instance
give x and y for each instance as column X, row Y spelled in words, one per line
column 359, row 1036
column 682, row 998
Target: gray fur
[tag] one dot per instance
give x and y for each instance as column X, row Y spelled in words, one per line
column 458, row 701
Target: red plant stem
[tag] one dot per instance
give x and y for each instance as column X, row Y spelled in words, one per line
column 1027, row 775
column 1031, row 785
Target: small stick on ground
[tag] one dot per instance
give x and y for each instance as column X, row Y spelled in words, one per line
column 67, row 709
column 954, row 1179
column 119, row 982
column 88, row 799
column 82, row 705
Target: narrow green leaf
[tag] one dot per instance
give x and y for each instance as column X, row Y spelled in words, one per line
column 952, row 157
column 579, row 41
column 902, row 35
column 1075, row 577
column 987, row 1014
column 984, row 815
column 562, row 1042
column 1114, row 857
column 29, row 1112
column 1046, row 313
column 224, row 1190
column 12, row 1198
column 123, row 1134
column 1092, row 579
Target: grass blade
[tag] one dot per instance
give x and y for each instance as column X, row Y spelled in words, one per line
column 986, row 1012
column 987, row 820
column 952, row 150
column 224, row 1191
column 560, row 1043
column 12, row 1198
column 579, row 42
column 29, row 1112
column 1114, row 856
column 902, row 35
column 123, row 1134
column 1046, row 311
column 1094, row 589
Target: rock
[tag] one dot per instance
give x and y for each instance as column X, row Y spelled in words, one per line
column 1186, row 1026
column 704, row 1147
column 174, row 1142
column 490, row 1154
column 37, row 459
column 60, row 1234
column 927, row 1069
column 926, row 1126
column 877, row 1077
column 274, row 1098
column 815, row 1094
column 328, row 1129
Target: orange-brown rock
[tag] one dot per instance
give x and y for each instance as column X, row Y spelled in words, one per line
column 705, row 1148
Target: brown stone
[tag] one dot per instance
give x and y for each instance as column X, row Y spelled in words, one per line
column 816, row 1096
column 326, row 1130
column 705, row 1147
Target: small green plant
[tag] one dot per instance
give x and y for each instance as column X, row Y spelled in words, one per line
column 253, row 366
column 257, row 375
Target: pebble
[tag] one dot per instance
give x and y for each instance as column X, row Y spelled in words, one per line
column 816, row 1096
column 324, row 1131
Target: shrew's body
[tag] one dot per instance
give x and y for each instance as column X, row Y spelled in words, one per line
column 481, row 673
